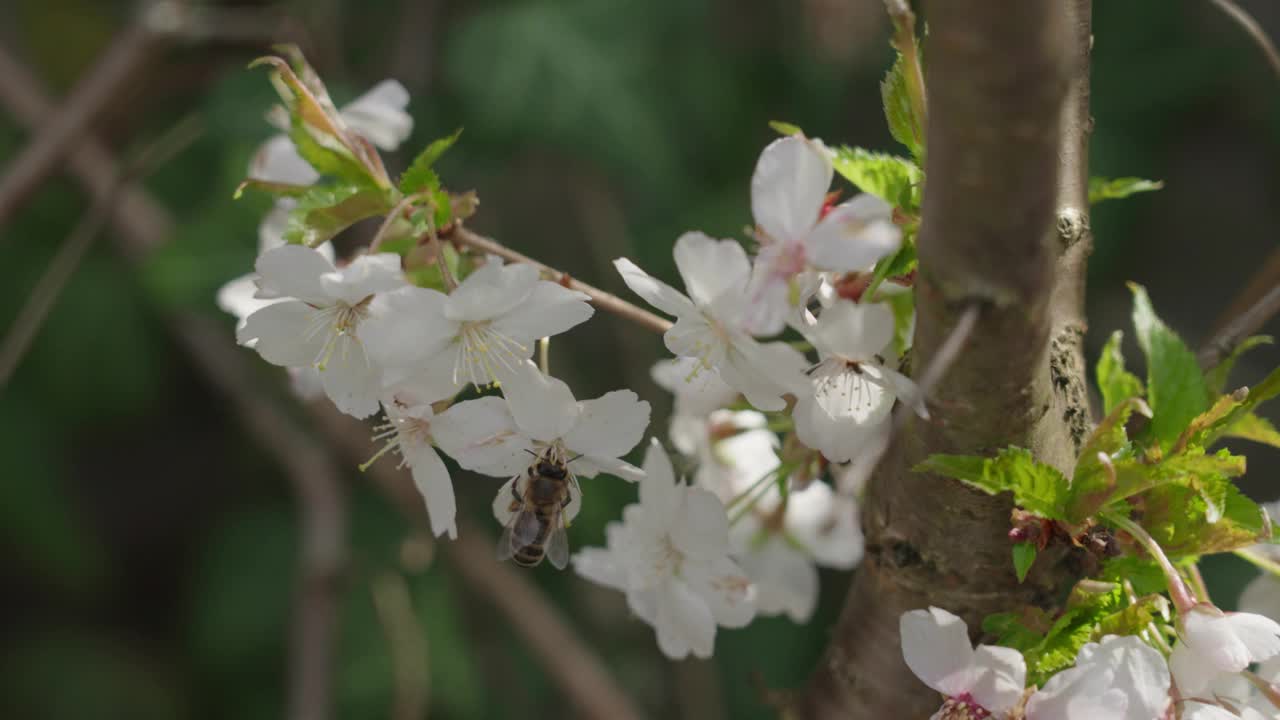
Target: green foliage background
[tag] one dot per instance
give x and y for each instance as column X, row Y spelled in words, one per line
column 150, row 544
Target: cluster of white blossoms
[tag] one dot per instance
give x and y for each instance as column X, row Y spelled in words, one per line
column 782, row 519
column 359, row 333
column 1116, row 678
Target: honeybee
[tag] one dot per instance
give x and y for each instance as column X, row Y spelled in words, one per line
column 537, row 506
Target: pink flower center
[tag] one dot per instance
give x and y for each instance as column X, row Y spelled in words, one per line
column 963, row 707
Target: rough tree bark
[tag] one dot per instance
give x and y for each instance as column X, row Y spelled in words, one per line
column 1005, row 229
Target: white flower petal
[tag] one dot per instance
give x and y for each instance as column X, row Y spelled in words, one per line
column 826, row 524
column 726, row 589
column 592, row 465
column 548, row 310
column 295, row 271
column 482, row 436
column 1261, row 596
column 1261, row 635
column 543, row 407
column 609, row 425
column 711, row 268
column 350, row 379
column 431, row 477
column 1209, row 634
column 1200, row 711
column 853, row 236
column 601, row 567
column 284, row 333
column 237, row 298
column 1192, row 674
column 277, row 160
column 853, row 331
column 659, row 495
column 789, row 186
column 491, row 291
column 364, row 276
column 275, row 222
column 654, row 291
column 1002, row 678
column 379, row 115
column 404, row 328
column 935, row 645
column 684, row 622
column 700, row 526
column 786, row 579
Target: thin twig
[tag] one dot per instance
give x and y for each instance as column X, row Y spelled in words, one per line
column 313, row 477
column 45, row 295
column 1247, row 323
column 1250, row 25
column 128, row 53
column 601, row 299
column 408, row 645
column 136, row 215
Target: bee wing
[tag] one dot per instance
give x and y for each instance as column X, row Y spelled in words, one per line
column 575, row 500
column 558, row 546
column 506, row 546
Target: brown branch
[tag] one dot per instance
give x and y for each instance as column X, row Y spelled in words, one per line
column 128, row 53
column 1004, row 229
column 312, row 476
column 1250, row 25
column 136, row 215
column 601, row 299
column 1221, row 345
column 45, row 295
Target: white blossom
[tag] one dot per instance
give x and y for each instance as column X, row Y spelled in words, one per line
column 320, row 323
column 1214, row 642
column 481, row 332
column 698, row 393
column 935, row 645
column 670, row 556
column 379, row 115
column 595, row 434
column 414, row 430
column 710, row 320
column 1120, row 678
column 852, row 389
column 788, row 190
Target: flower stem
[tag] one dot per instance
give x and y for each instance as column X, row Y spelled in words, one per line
column 385, row 227
column 904, row 40
column 1262, row 563
column 601, row 299
column 1182, row 597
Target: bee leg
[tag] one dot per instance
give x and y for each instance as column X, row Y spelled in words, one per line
column 565, row 502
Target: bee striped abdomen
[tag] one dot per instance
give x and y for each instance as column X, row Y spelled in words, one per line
column 532, row 553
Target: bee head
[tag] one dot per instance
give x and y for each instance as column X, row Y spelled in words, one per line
column 552, row 470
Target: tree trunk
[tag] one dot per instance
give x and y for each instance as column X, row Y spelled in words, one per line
column 1005, row 230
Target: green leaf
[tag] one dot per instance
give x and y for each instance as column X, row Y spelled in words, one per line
column 1216, row 378
column 1175, row 386
column 420, row 176
column 1092, row 484
column 1116, row 188
column 903, row 124
column 1265, row 390
column 1143, row 574
column 1037, row 487
column 785, row 128
column 897, row 264
column 1017, row 629
column 1176, row 515
column 1024, row 554
column 1115, row 382
column 1252, row 427
column 325, row 211
column 903, row 305
column 893, row 179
